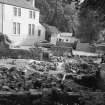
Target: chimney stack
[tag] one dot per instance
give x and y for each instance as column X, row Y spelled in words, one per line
column 33, row 3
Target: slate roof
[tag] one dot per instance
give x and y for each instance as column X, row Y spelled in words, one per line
column 19, row 3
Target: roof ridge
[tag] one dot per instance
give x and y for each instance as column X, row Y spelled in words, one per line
column 19, row 3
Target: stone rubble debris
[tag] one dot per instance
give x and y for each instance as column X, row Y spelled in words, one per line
column 64, row 76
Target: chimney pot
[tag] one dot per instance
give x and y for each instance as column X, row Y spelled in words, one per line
column 33, row 2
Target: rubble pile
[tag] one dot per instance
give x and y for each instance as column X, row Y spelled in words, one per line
column 57, row 59
column 11, row 79
column 42, row 81
column 79, row 68
column 14, row 79
column 46, row 79
column 39, row 74
column 43, row 66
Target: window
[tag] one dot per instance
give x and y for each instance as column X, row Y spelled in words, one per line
column 60, row 40
column 14, row 27
column 33, row 29
column 66, row 40
column 29, row 29
column 30, row 14
column 39, row 32
column 18, row 28
column 19, row 11
column 15, row 11
column 34, row 14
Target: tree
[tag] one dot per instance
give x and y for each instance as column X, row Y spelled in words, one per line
column 91, row 18
column 71, row 15
column 53, row 13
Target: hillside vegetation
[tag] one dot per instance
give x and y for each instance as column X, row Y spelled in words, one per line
column 85, row 20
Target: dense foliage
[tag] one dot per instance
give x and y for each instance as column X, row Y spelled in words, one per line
column 91, row 19
column 56, row 13
column 85, row 19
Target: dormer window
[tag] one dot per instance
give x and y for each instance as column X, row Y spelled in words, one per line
column 17, row 11
column 32, row 14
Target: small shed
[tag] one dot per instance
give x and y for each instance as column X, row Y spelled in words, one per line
column 64, row 39
column 50, row 31
column 61, row 37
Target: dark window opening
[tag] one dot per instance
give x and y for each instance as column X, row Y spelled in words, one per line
column 14, row 27
column 29, row 28
column 15, row 11
column 19, row 11
column 39, row 32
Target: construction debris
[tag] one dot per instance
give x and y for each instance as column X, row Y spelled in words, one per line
column 63, row 78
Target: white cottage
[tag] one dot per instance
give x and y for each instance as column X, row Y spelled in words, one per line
column 19, row 20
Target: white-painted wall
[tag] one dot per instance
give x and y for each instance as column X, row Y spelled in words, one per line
column 23, row 38
column 54, row 38
column 42, row 36
column 0, row 17
column 65, row 37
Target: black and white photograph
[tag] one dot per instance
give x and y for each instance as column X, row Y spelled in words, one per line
column 52, row 52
